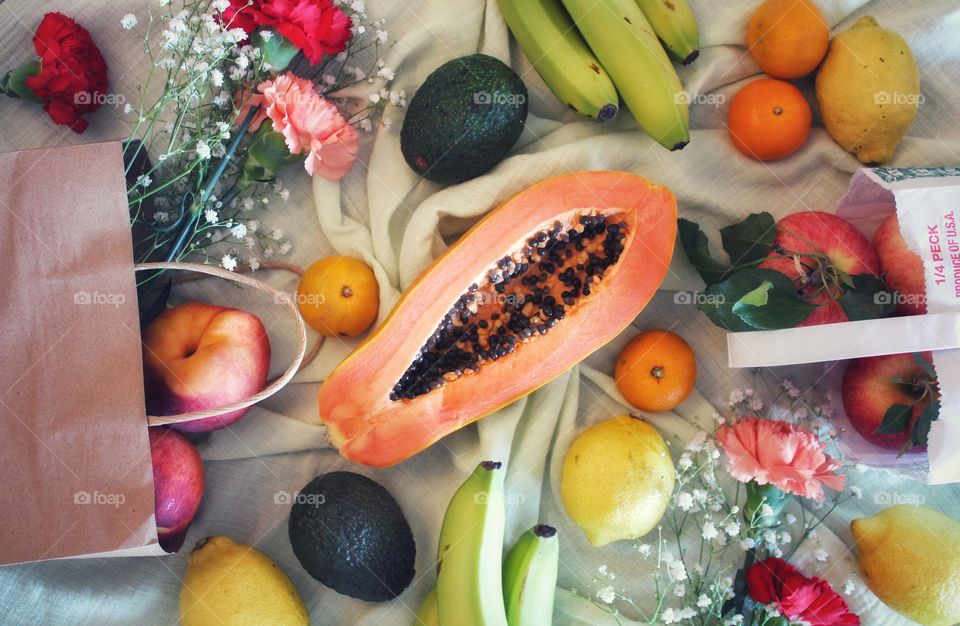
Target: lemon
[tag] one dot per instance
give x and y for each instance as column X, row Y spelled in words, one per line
column 338, row 296
column 910, row 558
column 868, row 90
column 230, row 584
column 617, row 479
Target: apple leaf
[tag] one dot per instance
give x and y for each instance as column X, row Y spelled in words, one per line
column 895, row 420
column 921, row 429
column 768, row 307
column 925, row 365
column 867, row 299
column 697, row 248
column 719, row 299
column 749, row 241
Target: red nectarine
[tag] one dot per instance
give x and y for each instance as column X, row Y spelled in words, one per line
column 198, row 356
column 178, row 480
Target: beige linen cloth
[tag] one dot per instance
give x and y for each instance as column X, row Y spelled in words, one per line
column 382, row 213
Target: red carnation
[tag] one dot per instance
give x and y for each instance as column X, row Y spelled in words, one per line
column 799, row 598
column 73, row 74
column 316, row 27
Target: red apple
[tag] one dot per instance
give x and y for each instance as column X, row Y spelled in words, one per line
column 871, row 386
column 198, row 356
column 177, row 485
column 902, row 267
column 820, row 244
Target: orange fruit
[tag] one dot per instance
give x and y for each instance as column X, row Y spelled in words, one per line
column 656, row 371
column 338, row 296
column 769, row 119
column 788, row 38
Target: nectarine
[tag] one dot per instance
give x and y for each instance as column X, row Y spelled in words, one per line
column 198, row 356
column 178, row 480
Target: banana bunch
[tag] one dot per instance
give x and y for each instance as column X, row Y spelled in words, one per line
column 473, row 588
column 588, row 50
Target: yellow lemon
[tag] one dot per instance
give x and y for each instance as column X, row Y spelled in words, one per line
column 617, row 479
column 909, row 556
column 338, row 296
column 868, row 90
column 230, row 584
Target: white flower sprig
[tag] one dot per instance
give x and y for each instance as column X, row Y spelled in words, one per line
column 694, row 554
column 187, row 113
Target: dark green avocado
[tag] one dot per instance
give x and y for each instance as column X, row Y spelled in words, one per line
column 350, row 534
column 464, row 119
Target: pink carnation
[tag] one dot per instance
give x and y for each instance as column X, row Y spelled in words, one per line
column 308, row 122
column 778, row 453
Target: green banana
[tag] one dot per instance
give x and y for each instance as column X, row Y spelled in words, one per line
column 560, row 55
column 675, row 25
column 629, row 50
column 469, row 583
column 530, row 577
column 428, row 614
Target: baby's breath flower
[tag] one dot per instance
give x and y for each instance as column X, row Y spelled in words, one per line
column 239, row 230
column 821, row 555
column 203, row 150
column 677, row 571
column 703, row 601
column 709, row 531
column 606, row 595
column 128, row 21
column 211, row 216
column 229, row 262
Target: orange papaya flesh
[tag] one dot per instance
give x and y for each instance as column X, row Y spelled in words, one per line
column 532, row 289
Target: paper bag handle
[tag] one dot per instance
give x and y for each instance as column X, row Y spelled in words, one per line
column 275, row 386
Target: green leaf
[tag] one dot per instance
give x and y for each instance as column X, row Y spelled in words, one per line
column 718, row 300
column 750, row 240
column 895, row 420
column 268, row 153
column 14, row 83
column 697, row 248
column 277, row 50
column 921, row 429
column 757, row 297
column 925, row 365
column 769, row 308
column 867, row 299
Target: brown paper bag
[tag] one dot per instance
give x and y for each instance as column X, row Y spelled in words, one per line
column 77, row 477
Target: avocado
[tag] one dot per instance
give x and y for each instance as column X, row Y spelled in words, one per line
column 464, row 119
column 349, row 533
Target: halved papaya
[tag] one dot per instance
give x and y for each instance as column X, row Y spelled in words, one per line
column 532, row 289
